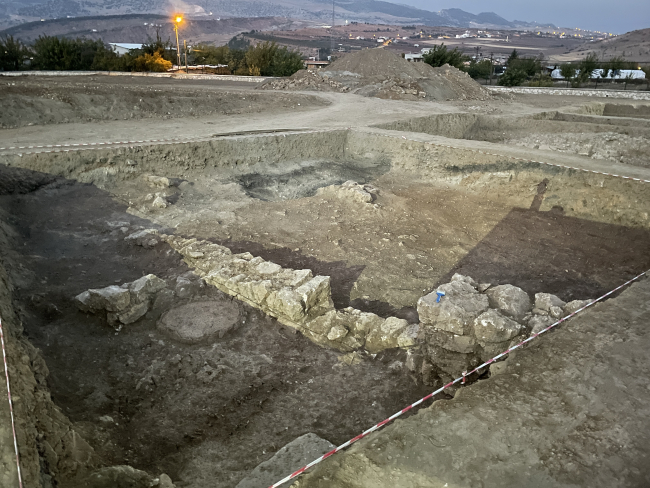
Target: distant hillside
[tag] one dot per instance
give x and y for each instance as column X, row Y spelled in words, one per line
column 634, row 45
column 371, row 11
column 143, row 27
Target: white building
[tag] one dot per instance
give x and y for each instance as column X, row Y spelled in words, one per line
column 619, row 74
column 121, row 48
column 415, row 58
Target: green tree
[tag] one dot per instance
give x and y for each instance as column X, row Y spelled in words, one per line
column 512, row 77
column 238, row 42
column 481, row 69
column 284, row 63
column 207, row 54
column 53, row 53
column 568, row 71
column 587, row 67
column 13, row 54
column 440, row 55
column 259, row 57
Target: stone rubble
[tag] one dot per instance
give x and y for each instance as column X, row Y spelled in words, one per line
column 351, row 190
column 472, row 323
column 123, row 304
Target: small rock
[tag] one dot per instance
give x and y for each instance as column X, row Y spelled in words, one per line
column 483, row 287
column 544, row 301
column 493, row 327
column 574, row 306
column 556, row 312
column 465, row 279
column 539, row 323
column 291, row 457
column 413, row 360
column 165, row 481
column 146, row 238
column 160, row 202
column 337, row 333
column 144, row 288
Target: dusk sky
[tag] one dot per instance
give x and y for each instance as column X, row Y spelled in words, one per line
column 604, row 15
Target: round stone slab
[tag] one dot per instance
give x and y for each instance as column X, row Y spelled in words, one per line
column 200, row 321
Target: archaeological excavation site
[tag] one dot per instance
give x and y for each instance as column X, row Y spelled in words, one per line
column 214, row 284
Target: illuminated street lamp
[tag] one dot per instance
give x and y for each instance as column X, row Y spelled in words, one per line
column 177, row 22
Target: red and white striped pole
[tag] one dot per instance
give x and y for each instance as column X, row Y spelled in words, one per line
column 11, row 406
column 440, row 390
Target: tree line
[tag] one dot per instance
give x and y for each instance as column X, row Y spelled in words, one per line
column 52, row 53
column 520, row 69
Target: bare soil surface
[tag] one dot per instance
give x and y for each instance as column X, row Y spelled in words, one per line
column 30, row 101
column 205, row 413
column 571, row 410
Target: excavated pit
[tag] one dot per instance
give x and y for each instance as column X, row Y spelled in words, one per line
column 288, row 184
column 606, row 132
column 206, row 409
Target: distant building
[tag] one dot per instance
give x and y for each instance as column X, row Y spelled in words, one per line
column 619, row 74
column 311, row 64
column 121, row 48
column 414, row 57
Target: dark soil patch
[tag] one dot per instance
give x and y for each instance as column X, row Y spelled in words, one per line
column 550, row 252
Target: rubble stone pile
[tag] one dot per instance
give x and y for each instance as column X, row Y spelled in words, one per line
column 464, row 323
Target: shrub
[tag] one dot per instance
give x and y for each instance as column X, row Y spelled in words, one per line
column 440, row 55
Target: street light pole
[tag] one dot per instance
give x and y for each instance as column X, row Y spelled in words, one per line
column 177, row 21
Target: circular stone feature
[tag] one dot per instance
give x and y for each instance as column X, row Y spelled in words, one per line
column 200, row 321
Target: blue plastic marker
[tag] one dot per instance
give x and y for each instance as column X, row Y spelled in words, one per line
column 440, row 295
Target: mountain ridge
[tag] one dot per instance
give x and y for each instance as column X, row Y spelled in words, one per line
column 13, row 12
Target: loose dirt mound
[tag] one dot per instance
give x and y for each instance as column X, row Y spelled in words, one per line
column 383, row 74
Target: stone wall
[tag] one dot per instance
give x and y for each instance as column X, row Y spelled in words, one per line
column 295, row 298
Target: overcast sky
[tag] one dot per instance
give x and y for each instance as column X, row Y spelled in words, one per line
column 616, row 16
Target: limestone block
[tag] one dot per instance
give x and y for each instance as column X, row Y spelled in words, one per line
column 385, row 336
column 409, row 336
column 464, row 344
column 575, row 305
column 291, row 457
column 539, row 322
column 315, row 292
column 133, row 313
column 494, row 327
column 465, row 279
column 556, row 312
column 144, row 288
column 112, row 298
column 286, row 302
column 544, row 301
column 255, row 291
column 146, row 238
column 452, row 363
column 268, row 268
column 510, row 300
column 456, row 311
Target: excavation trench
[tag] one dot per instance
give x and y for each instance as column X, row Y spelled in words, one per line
column 608, row 132
column 208, row 409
